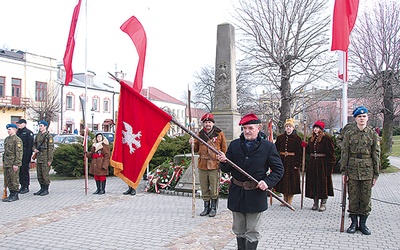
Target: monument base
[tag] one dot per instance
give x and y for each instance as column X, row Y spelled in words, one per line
column 228, row 122
column 185, row 183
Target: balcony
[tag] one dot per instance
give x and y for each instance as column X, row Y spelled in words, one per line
column 14, row 102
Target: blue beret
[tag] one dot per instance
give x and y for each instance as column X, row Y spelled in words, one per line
column 11, row 125
column 360, row 110
column 44, row 123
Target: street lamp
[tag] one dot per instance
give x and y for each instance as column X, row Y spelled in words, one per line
column 92, row 118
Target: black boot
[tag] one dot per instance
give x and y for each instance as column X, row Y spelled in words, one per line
column 40, row 191
column 354, row 224
column 133, row 191
column 12, row 197
column 24, row 189
column 102, row 187
column 45, row 190
column 363, row 228
column 97, row 186
column 251, row 245
column 213, row 209
column 241, row 243
column 206, row 208
column 128, row 191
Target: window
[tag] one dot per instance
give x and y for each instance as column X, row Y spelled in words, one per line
column 41, row 91
column 95, row 105
column 70, row 102
column 106, row 105
column 2, row 85
column 15, row 87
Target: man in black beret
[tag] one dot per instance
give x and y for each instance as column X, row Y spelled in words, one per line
column 26, row 136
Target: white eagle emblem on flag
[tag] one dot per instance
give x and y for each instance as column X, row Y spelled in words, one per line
column 133, row 140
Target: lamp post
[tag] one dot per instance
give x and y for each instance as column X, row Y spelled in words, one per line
column 92, row 118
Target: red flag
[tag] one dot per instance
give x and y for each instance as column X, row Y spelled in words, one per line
column 69, row 50
column 136, row 32
column 343, row 58
column 140, row 127
column 344, row 18
column 270, row 132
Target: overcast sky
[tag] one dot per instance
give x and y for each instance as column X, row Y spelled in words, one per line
column 181, row 35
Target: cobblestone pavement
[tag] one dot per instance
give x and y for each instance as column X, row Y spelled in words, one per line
column 69, row 219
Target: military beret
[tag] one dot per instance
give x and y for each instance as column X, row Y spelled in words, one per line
column 360, row 110
column 208, row 117
column 320, row 124
column 249, row 119
column 44, row 123
column 11, row 125
column 21, row 121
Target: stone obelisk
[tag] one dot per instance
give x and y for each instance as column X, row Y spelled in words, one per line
column 225, row 110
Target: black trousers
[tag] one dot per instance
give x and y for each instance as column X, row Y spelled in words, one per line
column 24, row 178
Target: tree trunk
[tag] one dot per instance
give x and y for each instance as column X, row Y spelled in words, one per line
column 388, row 116
column 285, row 98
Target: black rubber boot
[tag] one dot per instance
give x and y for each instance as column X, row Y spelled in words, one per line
column 40, row 191
column 12, row 197
column 206, row 208
column 353, row 227
column 241, row 243
column 251, row 245
column 45, row 190
column 363, row 227
column 213, row 209
column 98, row 187
column 102, row 187
column 128, row 191
column 24, row 189
column 133, row 191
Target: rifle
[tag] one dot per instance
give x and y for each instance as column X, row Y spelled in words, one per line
column 34, row 156
column 343, row 205
column 5, row 188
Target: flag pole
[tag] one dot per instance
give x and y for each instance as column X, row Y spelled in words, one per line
column 231, row 163
column 86, row 101
column 193, row 168
column 344, row 90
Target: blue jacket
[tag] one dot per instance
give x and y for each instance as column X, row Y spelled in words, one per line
column 257, row 162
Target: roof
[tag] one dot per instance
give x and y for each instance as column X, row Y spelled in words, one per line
column 155, row 94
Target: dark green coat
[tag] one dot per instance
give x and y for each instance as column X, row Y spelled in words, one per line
column 46, row 149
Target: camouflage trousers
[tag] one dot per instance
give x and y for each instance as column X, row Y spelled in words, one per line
column 11, row 179
column 360, row 196
column 209, row 184
column 42, row 170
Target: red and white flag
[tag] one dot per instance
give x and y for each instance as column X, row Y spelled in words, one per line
column 140, row 127
column 136, row 32
column 69, row 50
column 344, row 18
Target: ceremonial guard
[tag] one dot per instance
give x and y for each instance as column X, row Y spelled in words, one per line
column 27, row 137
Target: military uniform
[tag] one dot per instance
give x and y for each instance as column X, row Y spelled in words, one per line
column 44, row 156
column 27, row 139
column 12, row 157
column 360, row 161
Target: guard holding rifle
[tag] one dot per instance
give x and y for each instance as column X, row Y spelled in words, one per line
column 43, row 148
column 360, row 163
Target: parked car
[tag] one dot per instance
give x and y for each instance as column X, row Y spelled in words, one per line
column 108, row 135
column 67, row 139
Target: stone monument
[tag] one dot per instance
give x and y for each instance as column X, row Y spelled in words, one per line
column 225, row 110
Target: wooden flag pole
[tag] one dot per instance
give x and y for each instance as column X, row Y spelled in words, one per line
column 193, row 167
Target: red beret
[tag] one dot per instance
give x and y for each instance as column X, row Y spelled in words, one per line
column 208, row 117
column 320, row 124
column 249, row 119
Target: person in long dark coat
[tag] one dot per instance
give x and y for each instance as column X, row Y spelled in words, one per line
column 247, row 199
column 100, row 154
column 321, row 150
column 289, row 147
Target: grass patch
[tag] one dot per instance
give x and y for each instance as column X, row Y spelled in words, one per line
column 390, row 170
column 396, row 146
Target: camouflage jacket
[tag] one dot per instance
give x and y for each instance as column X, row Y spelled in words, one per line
column 360, row 154
column 13, row 150
column 46, row 148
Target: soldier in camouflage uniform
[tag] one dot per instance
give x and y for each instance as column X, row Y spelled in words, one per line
column 12, row 161
column 43, row 146
column 360, row 162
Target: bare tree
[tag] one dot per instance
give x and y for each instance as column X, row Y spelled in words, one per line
column 285, row 43
column 47, row 105
column 375, row 51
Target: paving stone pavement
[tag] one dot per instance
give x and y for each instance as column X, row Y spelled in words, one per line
column 69, row 219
